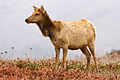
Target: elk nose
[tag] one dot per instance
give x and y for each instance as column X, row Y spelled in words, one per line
column 26, row 20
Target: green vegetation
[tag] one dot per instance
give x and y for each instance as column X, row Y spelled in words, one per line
column 44, row 69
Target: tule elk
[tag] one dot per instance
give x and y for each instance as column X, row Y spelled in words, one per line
column 66, row 34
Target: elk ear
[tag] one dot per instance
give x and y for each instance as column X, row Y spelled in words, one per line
column 44, row 12
column 42, row 8
column 34, row 8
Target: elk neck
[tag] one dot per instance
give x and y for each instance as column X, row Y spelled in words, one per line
column 47, row 27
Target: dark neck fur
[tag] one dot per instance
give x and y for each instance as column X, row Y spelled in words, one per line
column 46, row 27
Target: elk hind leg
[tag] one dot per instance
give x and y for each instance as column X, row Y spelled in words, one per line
column 87, row 54
column 92, row 50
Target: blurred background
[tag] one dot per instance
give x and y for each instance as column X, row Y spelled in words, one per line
column 19, row 39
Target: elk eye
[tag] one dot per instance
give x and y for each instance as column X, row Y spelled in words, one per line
column 36, row 14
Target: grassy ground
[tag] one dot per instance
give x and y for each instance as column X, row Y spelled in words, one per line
column 20, row 69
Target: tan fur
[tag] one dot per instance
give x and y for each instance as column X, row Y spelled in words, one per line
column 66, row 34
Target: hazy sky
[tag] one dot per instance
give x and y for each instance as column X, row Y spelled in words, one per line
column 104, row 14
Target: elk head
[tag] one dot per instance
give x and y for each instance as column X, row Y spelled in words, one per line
column 37, row 16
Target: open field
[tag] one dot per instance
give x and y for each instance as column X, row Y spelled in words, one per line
column 26, row 69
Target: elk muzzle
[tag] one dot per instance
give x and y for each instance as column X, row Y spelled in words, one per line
column 27, row 21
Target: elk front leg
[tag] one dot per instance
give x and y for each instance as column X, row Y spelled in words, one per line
column 57, row 50
column 64, row 56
